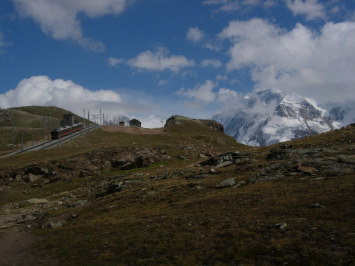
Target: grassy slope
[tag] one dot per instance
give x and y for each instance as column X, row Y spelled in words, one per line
column 180, row 225
column 24, row 119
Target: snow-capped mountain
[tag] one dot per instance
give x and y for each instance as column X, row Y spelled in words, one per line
column 269, row 117
column 342, row 115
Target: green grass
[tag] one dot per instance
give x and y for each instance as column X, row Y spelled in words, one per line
column 28, row 120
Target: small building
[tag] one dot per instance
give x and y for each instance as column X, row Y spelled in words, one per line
column 68, row 120
column 135, row 123
column 121, row 124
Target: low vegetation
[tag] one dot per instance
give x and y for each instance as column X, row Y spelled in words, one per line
column 183, row 195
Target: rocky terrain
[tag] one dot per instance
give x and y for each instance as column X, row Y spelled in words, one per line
column 187, row 196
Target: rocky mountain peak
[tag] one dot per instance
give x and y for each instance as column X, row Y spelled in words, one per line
column 267, row 117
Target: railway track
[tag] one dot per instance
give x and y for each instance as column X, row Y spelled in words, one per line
column 52, row 143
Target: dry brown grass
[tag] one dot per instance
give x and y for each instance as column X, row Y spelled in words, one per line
column 169, row 222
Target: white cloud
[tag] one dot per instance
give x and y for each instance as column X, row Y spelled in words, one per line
column 112, row 61
column 201, row 92
column 159, row 61
column 152, row 121
column 309, row 8
column 226, row 95
column 59, row 18
column 319, row 65
column 234, row 5
column 211, row 62
column 194, row 34
column 41, row 90
column 222, row 78
column 162, row 82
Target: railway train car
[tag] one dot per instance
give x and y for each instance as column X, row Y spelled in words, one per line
column 64, row 131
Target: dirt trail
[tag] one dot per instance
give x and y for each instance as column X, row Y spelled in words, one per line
column 16, row 249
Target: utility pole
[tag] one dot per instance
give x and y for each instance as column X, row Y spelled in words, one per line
column 44, row 131
column 22, row 141
column 99, row 122
column 13, row 133
column 103, row 119
column 88, row 118
column 32, row 133
column 48, row 126
column 84, row 116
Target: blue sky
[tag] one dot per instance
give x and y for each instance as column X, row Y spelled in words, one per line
column 154, row 58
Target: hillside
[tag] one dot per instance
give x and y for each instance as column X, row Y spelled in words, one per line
column 186, row 194
column 29, row 120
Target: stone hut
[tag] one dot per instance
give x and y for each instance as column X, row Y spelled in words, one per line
column 121, row 124
column 68, row 120
column 135, row 123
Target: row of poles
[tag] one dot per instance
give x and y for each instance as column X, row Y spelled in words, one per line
column 97, row 119
column 22, row 133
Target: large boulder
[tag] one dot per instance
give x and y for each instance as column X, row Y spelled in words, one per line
column 180, row 120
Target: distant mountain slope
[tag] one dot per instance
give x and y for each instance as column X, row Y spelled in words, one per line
column 268, row 117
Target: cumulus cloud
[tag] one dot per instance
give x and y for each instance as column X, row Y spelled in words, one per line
column 194, row 34
column 152, row 121
column 41, row 90
column 211, row 62
column 309, row 8
column 226, row 95
column 201, row 92
column 159, row 61
column 112, row 61
column 319, row 65
column 59, row 18
column 234, row 5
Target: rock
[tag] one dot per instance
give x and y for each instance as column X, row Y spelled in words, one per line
column 307, row 169
column 197, row 176
column 37, row 201
column 32, row 178
column 224, row 164
column 54, row 225
column 226, row 183
column 181, row 157
column 229, row 156
column 128, row 166
column 84, row 173
column 316, row 205
column 79, row 203
column 278, row 154
column 110, row 189
column 106, row 165
column 281, row 226
column 198, row 188
column 142, row 161
column 241, row 183
column 58, row 221
column 151, row 193
column 36, row 170
column 179, row 120
column 319, row 178
column 212, row 171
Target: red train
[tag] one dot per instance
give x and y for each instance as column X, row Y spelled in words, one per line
column 64, row 131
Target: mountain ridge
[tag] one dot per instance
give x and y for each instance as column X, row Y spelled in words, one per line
column 268, row 117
